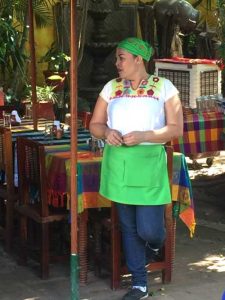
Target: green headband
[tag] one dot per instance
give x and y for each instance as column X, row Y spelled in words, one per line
column 137, row 47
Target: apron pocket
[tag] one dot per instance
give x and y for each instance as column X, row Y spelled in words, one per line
column 142, row 171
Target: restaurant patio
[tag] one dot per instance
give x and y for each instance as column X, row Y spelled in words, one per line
column 51, row 211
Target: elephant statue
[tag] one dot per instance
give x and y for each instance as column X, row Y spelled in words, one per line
column 169, row 14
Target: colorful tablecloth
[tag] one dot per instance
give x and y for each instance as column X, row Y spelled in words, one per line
column 58, row 174
column 202, row 133
column 83, row 135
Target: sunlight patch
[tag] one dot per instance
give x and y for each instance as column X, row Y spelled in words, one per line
column 212, row 263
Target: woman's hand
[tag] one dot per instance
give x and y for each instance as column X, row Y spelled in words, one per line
column 113, row 137
column 134, row 138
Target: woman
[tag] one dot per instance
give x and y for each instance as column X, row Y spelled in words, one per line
column 137, row 114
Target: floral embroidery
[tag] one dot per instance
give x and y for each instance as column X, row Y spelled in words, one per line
column 148, row 88
column 155, row 79
column 150, row 92
column 140, row 92
column 144, row 82
column 127, row 91
column 119, row 86
column 119, row 93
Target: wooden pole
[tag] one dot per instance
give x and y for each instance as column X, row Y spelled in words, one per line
column 73, row 128
column 32, row 64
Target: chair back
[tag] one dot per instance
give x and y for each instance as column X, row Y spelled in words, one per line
column 7, row 188
column 6, row 157
column 6, row 108
column 32, row 175
column 33, row 200
column 85, row 116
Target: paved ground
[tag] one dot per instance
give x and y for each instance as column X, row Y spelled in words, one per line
column 199, row 270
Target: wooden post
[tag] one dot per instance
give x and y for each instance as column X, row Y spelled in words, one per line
column 73, row 126
column 33, row 64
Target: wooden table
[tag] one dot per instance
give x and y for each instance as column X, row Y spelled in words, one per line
column 8, row 166
column 58, row 173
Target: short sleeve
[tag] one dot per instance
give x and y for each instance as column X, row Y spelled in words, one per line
column 106, row 91
column 169, row 90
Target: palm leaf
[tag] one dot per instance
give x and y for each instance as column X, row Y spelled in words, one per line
column 43, row 16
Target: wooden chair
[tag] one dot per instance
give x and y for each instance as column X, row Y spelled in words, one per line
column 7, row 189
column 85, row 116
column 33, row 203
column 166, row 264
column 33, row 177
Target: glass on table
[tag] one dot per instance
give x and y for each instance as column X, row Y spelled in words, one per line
column 48, row 133
column 205, row 101
column 28, row 112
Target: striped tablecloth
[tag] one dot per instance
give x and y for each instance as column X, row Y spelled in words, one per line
column 82, row 136
column 58, row 173
column 202, row 133
column 54, row 145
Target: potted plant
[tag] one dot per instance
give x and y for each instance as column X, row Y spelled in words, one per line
column 46, row 98
column 46, row 94
column 58, row 64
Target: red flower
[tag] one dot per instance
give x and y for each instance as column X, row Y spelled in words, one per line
column 119, row 93
column 150, row 92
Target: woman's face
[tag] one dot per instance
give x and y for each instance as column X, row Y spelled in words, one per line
column 126, row 64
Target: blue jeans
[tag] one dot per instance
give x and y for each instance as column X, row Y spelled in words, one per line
column 140, row 224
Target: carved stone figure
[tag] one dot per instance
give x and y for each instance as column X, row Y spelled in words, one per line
column 168, row 15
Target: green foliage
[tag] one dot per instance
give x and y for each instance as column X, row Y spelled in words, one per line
column 10, row 55
column 19, row 9
column 56, row 59
column 10, row 98
column 14, row 29
column 44, row 93
column 221, row 26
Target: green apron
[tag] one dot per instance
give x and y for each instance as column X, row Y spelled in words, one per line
column 135, row 175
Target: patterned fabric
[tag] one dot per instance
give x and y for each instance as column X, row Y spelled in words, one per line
column 88, row 169
column 202, row 133
column 182, row 193
column 137, row 46
column 147, row 88
column 184, row 60
column 58, row 172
